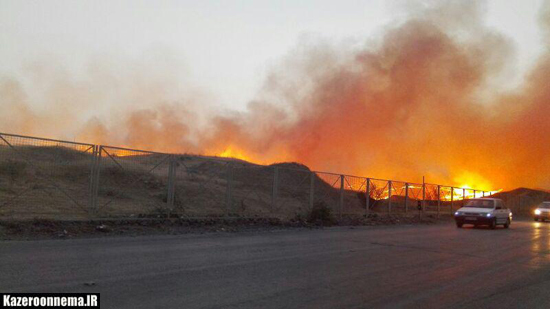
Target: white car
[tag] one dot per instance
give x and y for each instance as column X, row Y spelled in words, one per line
column 484, row 211
column 542, row 212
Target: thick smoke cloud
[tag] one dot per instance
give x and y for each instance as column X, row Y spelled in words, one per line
column 418, row 100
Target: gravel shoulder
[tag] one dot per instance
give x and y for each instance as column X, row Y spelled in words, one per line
column 48, row 229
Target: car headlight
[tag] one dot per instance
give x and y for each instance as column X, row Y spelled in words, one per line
column 537, row 211
column 457, row 213
column 489, row 214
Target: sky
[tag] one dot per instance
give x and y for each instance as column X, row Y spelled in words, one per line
column 223, row 49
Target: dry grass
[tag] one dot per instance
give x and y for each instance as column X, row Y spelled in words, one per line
column 54, row 182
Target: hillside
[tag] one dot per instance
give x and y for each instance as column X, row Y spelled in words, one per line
column 56, row 182
column 523, row 201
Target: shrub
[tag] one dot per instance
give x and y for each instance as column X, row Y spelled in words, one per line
column 12, row 169
column 321, row 214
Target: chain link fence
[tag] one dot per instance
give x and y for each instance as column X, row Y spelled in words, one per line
column 53, row 179
column 293, row 190
column 251, row 192
column 44, row 177
column 354, row 195
column 131, row 183
column 201, row 187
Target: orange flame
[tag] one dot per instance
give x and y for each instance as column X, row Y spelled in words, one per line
column 235, row 153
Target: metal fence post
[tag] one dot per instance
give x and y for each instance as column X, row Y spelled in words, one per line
column 406, row 197
column 92, row 180
column 438, row 200
column 463, row 196
column 95, row 193
column 228, row 197
column 367, row 195
column 452, row 199
column 423, row 197
column 474, row 193
column 389, row 196
column 275, row 188
column 341, row 195
column 311, row 190
column 171, row 183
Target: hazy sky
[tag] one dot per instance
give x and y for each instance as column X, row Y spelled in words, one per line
column 224, row 48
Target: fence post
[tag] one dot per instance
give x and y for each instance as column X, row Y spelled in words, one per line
column 95, row 193
column 171, row 183
column 311, row 190
column 438, row 200
column 389, row 196
column 228, row 198
column 452, row 199
column 341, row 195
column 423, row 197
column 474, row 193
column 367, row 202
column 275, row 188
column 406, row 197
column 92, row 178
column 463, row 196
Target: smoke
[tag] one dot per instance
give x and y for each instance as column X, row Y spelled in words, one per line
column 423, row 98
column 112, row 103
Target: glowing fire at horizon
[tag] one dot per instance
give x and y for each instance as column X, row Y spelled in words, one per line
column 465, row 190
column 234, row 153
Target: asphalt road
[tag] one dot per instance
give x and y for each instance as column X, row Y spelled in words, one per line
column 436, row 266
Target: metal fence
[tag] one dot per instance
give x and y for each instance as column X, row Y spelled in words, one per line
column 46, row 178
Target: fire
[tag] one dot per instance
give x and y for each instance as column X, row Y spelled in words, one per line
column 472, row 180
column 465, row 191
column 232, row 152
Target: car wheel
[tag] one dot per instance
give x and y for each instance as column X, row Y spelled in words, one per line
column 459, row 225
column 493, row 224
column 507, row 224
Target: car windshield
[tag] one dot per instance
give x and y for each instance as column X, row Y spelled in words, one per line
column 480, row 204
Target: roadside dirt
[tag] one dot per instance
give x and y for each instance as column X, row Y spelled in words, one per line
column 46, row 229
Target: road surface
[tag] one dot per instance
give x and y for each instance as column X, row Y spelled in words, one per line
column 366, row 267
